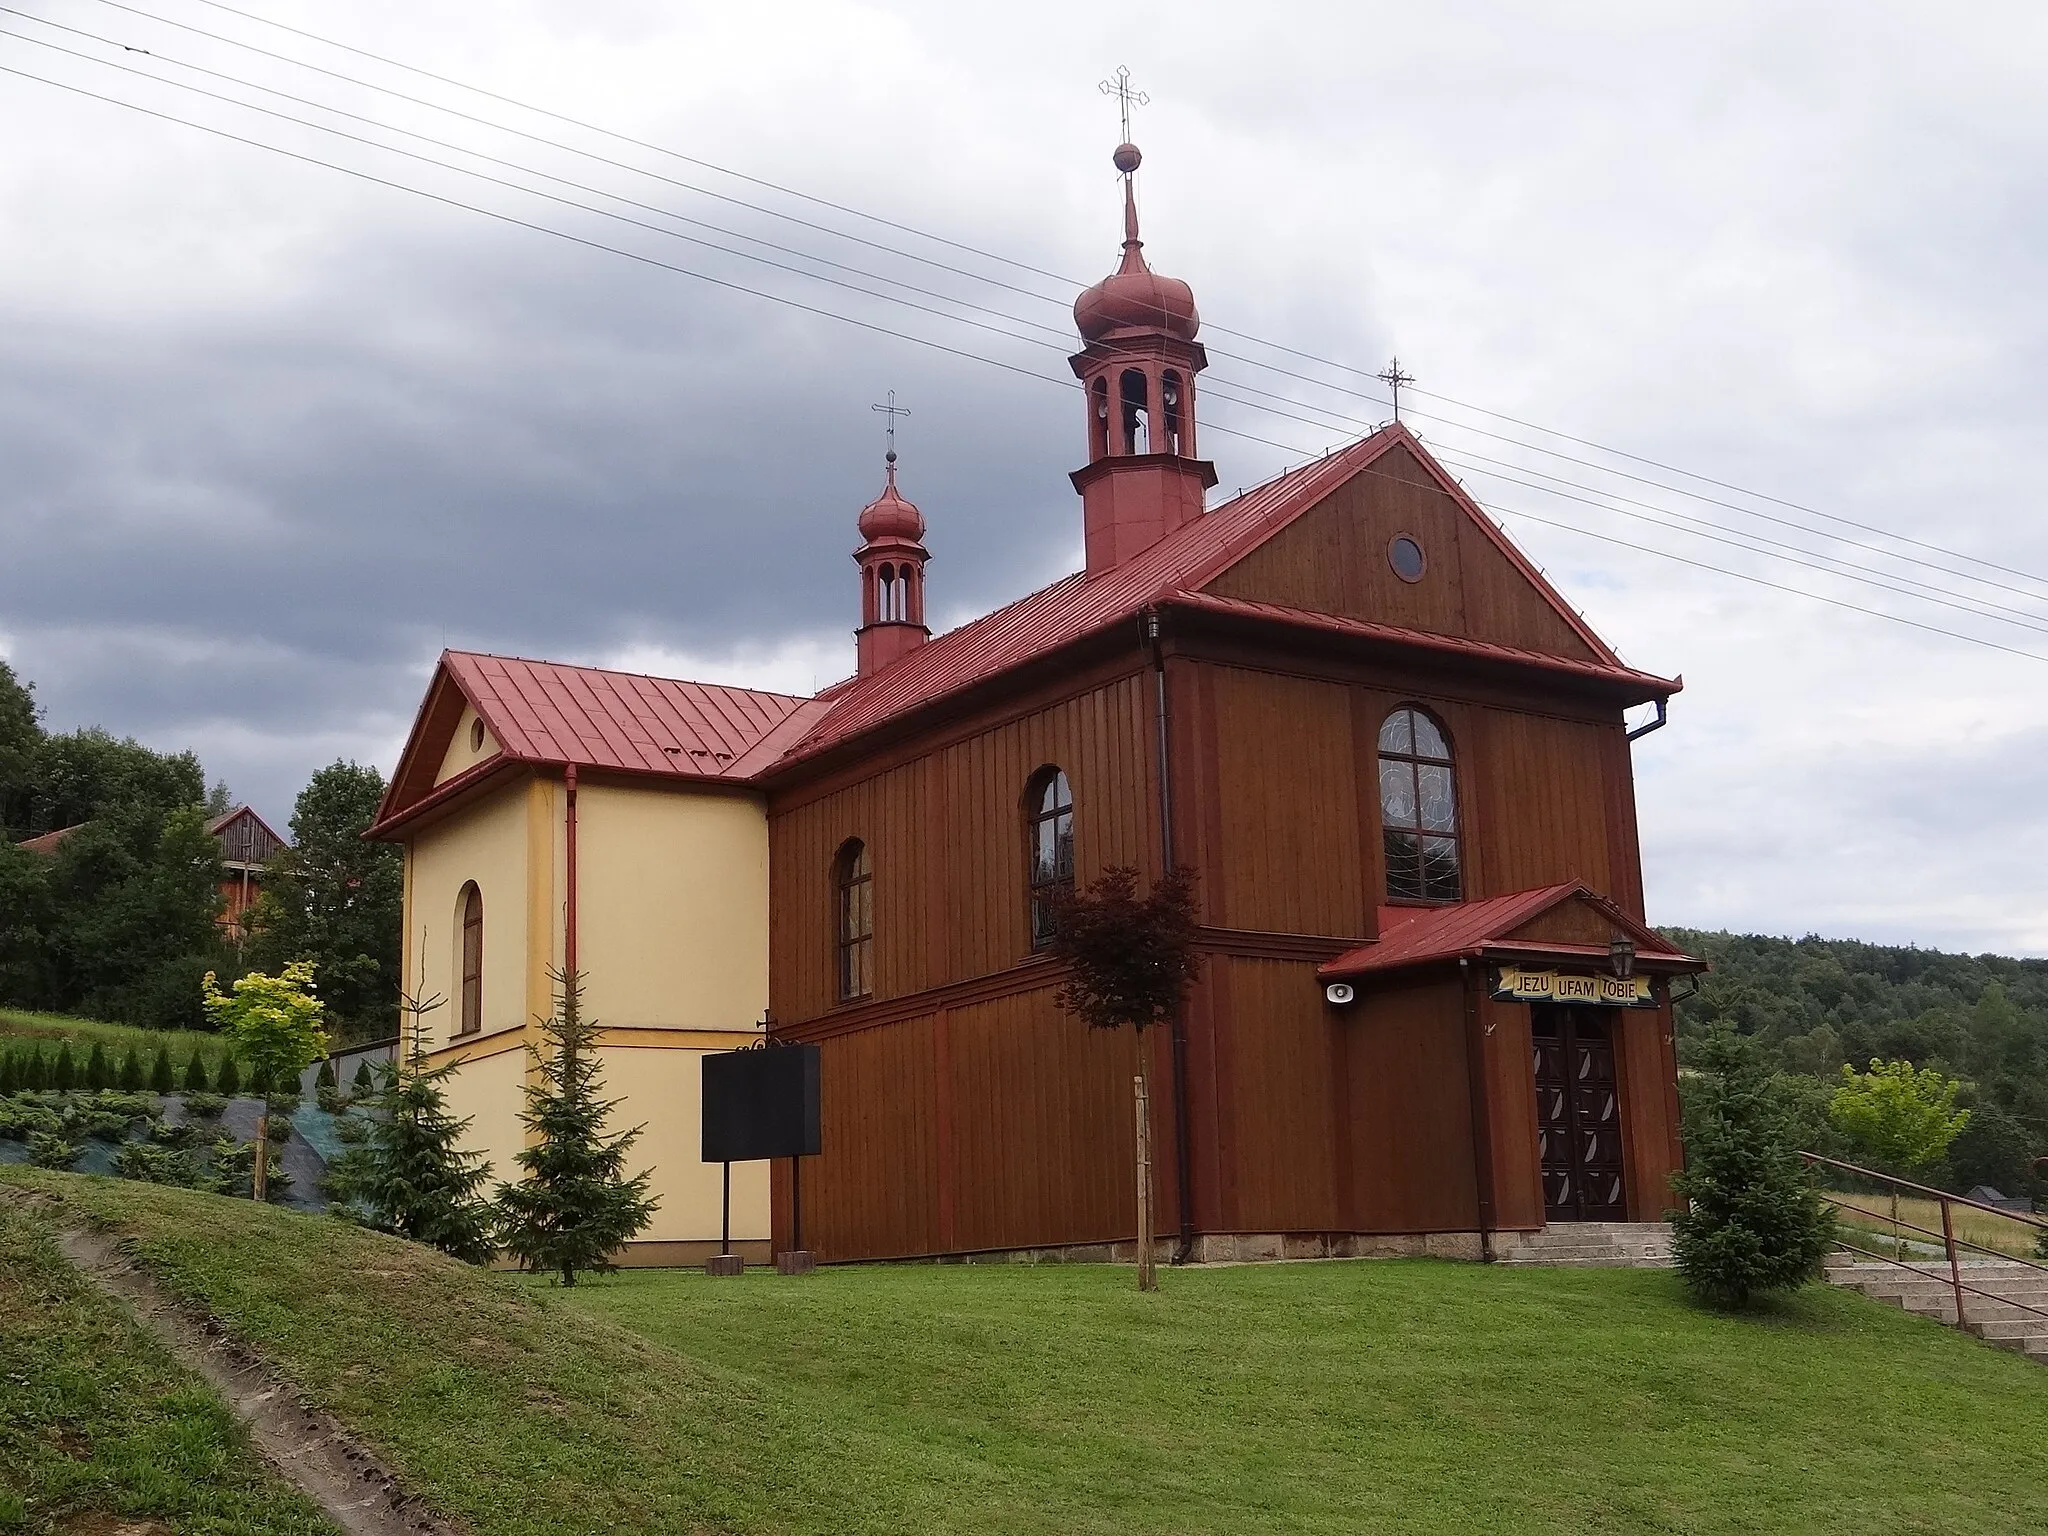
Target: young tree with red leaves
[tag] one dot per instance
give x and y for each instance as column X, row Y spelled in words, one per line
column 1132, row 959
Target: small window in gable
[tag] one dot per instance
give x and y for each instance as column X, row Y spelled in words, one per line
column 1419, row 809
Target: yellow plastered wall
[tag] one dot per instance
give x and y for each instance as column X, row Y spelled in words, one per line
column 486, row 843
column 662, row 1089
column 672, row 896
column 487, row 1090
column 460, row 753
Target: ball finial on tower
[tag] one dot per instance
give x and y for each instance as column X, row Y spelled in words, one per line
column 1127, row 158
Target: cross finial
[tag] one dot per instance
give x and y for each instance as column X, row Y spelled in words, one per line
column 892, row 410
column 1119, row 86
column 1394, row 378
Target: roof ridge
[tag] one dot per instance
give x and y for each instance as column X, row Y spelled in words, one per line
column 652, row 677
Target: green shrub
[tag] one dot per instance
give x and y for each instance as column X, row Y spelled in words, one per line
column 133, row 1105
column 331, row 1099
column 365, row 1080
column 157, row 1165
column 47, row 1149
column 229, row 1080
column 232, row 1171
column 280, row 1129
column 282, row 1103
column 165, row 1134
column 99, row 1124
column 205, row 1106
column 98, row 1074
column 130, row 1078
column 7, row 1073
column 195, row 1074
column 1755, row 1222
column 64, row 1074
column 161, row 1078
column 35, row 1072
column 326, row 1079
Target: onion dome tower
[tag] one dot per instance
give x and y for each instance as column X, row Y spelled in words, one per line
column 892, row 558
column 1137, row 368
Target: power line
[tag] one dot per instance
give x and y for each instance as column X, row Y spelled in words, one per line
column 1008, row 261
column 953, row 351
column 1036, row 271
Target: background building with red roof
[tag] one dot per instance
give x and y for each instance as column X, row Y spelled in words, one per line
column 1430, row 1015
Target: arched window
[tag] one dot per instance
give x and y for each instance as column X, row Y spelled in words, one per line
column 1169, row 395
column 472, row 1018
column 854, row 882
column 1131, row 393
column 1418, row 809
column 1049, row 825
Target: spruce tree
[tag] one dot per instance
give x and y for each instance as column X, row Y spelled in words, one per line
column 64, row 1075
column 8, row 1073
column 409, row 1174
column 98, row 1074
column 131, row 1072
column 195, row 1074
column 34, row 1073
column 229, row 1082
column 1755, row 1222
column 575, row 1208
column 365, row 1083
column 161, row 1078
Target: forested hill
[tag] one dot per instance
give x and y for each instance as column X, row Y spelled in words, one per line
column 1816, row 1004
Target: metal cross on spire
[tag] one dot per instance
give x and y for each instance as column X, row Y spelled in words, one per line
column 892, row 410
column 1119, row 86
column 1394, row 378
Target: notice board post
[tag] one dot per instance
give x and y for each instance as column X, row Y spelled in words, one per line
column 762, row 1103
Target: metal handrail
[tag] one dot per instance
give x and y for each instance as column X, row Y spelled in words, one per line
column 1923, row 1189
column 1950, row 1242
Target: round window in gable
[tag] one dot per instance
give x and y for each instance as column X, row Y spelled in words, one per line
column 476, row 735
column 1405, row 556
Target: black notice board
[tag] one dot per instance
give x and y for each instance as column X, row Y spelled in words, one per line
column 760, row 1104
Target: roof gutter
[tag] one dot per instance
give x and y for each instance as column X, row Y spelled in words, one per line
column 1177, row 1029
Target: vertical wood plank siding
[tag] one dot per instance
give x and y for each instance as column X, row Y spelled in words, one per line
column 998, row 1122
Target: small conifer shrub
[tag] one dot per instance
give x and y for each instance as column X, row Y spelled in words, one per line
column 229, row 1082
column 162, row 1078
column 64, row 1075
column 195, row 1075
column 1755, row 1221
column 364, row 1080
column 575, row 1207
column 129, row 1078
column 52, row 1149
column 98, row 1073
column 8, row 1073
column 205, row 1106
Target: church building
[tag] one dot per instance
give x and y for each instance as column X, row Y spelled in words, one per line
column 1430, row 1016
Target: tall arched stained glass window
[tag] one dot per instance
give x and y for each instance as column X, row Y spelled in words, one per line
column 1418, row 809
column 855, row 883
column 1049, row 826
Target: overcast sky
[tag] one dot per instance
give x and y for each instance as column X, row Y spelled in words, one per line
column 271, row 435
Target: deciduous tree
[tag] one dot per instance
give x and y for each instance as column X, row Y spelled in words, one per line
column 275, row 1023
column 1131, row 960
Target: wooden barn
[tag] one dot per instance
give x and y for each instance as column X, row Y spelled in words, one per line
column 1429, row 1014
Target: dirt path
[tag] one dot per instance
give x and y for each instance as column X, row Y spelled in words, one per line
column 307, row 1445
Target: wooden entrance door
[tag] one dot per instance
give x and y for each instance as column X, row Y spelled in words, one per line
column 1578, row 1114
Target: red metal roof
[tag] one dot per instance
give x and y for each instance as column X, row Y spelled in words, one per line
column 49, row 841
column 546, row 712
column 1170, row 572
column 1412, row 936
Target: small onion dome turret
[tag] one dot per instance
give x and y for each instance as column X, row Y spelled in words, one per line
column 1134, row 297
column 889, row 516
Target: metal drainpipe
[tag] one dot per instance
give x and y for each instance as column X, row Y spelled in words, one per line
column 1482, row 1119
column 569, row 876
column 1658, row 724
column 1177, row 1032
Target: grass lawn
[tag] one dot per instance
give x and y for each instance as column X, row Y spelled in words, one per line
column 53, row 1028
column 1872, row 1213
column 1408, row 1396
column 100, row 1430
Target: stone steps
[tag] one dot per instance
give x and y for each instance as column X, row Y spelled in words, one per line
column 2014, row 1315
column 1589, row 1245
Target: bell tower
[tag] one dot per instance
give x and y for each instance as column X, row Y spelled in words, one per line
column 1137, row 369
column 891, row 558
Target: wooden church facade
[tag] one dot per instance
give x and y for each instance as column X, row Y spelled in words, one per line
column 1429, row 1012
column 965, row 1114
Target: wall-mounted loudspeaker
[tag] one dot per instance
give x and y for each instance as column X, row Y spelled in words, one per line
column 1339, row 992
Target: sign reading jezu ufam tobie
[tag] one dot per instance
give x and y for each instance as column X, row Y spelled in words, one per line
column 1516, row 983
